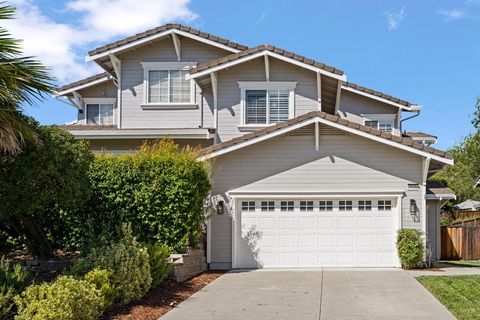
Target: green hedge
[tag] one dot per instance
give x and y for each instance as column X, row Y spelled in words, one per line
column 410, row 248
column 159, row 190
column 13, row 280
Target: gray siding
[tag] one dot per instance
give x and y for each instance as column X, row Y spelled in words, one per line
column 229, row 106
column 290, row 163
column 133, row 116
column 352, row 106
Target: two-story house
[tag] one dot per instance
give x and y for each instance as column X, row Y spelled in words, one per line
column 311, row 170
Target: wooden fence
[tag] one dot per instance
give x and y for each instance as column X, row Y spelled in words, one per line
column 460, row 243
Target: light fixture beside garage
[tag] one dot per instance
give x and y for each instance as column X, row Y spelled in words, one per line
column 220, row 207
column 413, row 206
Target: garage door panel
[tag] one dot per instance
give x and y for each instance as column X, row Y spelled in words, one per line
column 307, row 241
column 268, row 223
column 317, row 237
column 326, row 222
column 287, row 223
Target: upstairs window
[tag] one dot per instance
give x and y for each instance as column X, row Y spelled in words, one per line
column 266, row 103
column 382, row 125
column 166, row 83
column 99, row 111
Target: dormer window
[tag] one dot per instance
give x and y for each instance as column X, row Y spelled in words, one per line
column 266, row 103
column 99, row 111
column 166, row 85
column 382, row 122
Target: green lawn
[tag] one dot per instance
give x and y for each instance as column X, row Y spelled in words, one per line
column 460, row 294
column 464, row 263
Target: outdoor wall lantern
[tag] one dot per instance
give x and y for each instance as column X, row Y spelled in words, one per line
column 220, row 207
column 413, row 206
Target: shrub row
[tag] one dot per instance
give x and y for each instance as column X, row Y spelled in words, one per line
column 111, row 275
column 159, row 190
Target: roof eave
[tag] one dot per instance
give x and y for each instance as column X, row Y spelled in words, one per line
column 259, row 54
column 154, row 37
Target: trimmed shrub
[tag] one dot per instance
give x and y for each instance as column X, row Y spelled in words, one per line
column 13, row 280
column 159, row 266
column 101, row 279
column 159, row 190
column 67, row 299
column 127, row 261
column 410, row 248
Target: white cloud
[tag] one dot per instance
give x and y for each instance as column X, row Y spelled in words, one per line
column 453, row 14
column 127, row 16
column 61, row 46
column 394, row 20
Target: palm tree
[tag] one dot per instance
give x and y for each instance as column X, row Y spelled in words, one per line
column 23, row 81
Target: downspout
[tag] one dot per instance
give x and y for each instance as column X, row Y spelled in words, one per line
column 411, row 117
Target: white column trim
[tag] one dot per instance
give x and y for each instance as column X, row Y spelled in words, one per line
column 319, row 90
column 213, row 77
column 339, row 93
column 267, row 68
column 177, row 45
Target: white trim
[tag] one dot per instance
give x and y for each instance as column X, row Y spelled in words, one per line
column 260, row 54
column 115, row 64
column 317, row 136
column 314, row 194
column 99, row 101
column 331, row 124
column 267, row 68
column 379, row 116
column 444, row 196
column 165, row 66
column 337, row 100
column 265, row 85
column 156, row 36
column 319, row 91
column 178, row 46
column 213, row 79
column 83, row 86
column 209, row 239
column 398, row 105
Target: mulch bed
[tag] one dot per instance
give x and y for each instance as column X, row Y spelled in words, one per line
column 160, row 300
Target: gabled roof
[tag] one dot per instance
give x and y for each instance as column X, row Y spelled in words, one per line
column 416, row 134
column 374, row 93
column 331, row 120
column 259, row 50
column 83, row 83
column 159, row 30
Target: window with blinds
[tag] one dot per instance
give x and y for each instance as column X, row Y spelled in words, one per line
column 266, row 106
column 100, row 113
column 168, row 86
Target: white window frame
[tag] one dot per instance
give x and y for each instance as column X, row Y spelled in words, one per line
column 265, row 85
column 165, row 66
column 380, row 118
column 99, row 101
column 325, row 205
column 287, row 205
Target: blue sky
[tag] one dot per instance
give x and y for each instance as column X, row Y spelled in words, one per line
column 427, row 52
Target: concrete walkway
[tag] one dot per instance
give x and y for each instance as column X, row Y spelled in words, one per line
column 445, row 269
column 312, row 294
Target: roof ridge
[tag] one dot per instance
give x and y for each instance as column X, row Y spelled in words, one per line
column 331, row 118
column 165, row 27
column 267, row 47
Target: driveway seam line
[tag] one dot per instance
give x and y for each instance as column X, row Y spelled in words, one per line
column 321, row 297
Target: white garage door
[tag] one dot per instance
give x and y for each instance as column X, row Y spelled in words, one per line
column 316, row 233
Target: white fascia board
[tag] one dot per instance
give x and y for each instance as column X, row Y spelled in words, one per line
column 261, row 54
column 368, row 95
column 331, row 124
column 331, row 194
column 156, row 36
column 140, row 134
column 446, row 196
column 80, row 87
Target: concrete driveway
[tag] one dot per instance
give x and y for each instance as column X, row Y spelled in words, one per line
column 319, row 294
